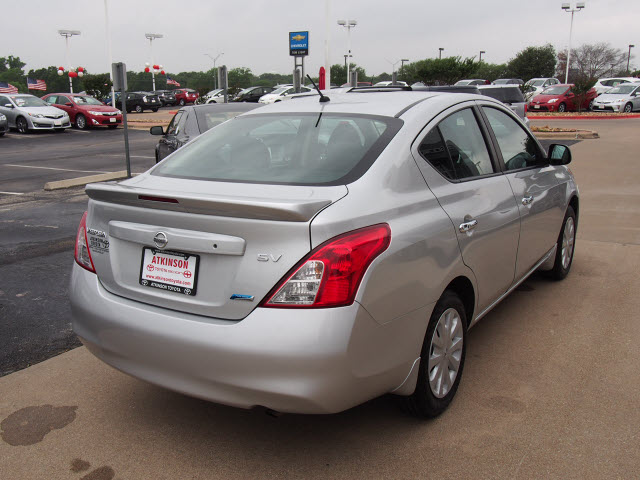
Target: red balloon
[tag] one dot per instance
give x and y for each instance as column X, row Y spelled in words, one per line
column 162, row 72
column 61, row 68
column 146, row 69
column 73, row 74
column 156, row 67
column 80, row 69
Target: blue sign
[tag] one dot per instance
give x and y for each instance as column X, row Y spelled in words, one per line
column 299, row 43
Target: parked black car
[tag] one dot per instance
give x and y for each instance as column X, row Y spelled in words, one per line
column 252, row 94
column 4, row 124
column 167, row 97
column 138, row 102
column 193, row 120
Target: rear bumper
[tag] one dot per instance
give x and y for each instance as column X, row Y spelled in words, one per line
column 319, row 361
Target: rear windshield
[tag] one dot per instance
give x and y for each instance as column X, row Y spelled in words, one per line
column 285, row 149
column 505, row 95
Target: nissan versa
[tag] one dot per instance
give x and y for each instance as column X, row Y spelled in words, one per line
column 310, row 255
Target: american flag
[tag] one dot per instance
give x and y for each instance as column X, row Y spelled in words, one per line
column 171, row 81
column 7, row 88
column 36, row 84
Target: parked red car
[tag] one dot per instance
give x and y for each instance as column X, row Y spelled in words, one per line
column 185, row 95
column 85, row 111
column 561, row 98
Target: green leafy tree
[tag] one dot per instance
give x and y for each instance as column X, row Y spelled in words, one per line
column 445, row 71
column 339, row 73
column 582, row 84
column 11, row 62
column 98, row 86
column 239, row 77
column 491, row 71
column 533, row 62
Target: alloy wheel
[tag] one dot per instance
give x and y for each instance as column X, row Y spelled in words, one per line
column 445, row 353
column 21, row 125
column 628, row 108
column 568, row 240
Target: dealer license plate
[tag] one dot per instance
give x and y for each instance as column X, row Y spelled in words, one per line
column 171, row 271
column 112, row 120
column 57, row 123
column 536, row 106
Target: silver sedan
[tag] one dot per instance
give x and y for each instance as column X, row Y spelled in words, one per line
column 623, row 98
column 28, row 112
column 311, row 255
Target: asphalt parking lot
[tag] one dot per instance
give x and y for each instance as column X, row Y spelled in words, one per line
column 551, row 386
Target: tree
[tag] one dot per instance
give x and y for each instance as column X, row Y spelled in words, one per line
column 491, row 71
column 339, row 73
column 240, row 77
column 533, row 62
column 98, row 86
column 439, row 70
column 592, row 61
column 11, row 62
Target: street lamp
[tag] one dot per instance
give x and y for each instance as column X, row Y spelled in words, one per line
column 346, row 66
column 68, row 34
column 567, row 8
column 109, row 56
column 348, row 24
column 215, row 78
column 152, row 37
column 440, row 53
column 402, row 64
column 629, row 57
column 481, row 52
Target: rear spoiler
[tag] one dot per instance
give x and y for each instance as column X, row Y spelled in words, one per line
column 288, row 210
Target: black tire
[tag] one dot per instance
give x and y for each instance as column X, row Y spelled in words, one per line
column 423, row 403
column 21, row 125
column 628, row 108
column 81, row 122
column 1, row 133
column 559, row 270
column 181, row 102
column 590, row 107
column 562, row 108
column 154, row 110
column 139, row 109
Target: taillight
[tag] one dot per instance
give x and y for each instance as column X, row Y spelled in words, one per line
column 329, row 276
column 82, row 253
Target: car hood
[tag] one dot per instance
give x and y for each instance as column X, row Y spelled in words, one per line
column 42, row 110
column 97, row 108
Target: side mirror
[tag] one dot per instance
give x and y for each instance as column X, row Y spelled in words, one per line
column 68, row 104
column 559, row 154
column 157, row 130
column 9, row 105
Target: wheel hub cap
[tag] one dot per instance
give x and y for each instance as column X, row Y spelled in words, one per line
column 568, row 239
column 445, row 353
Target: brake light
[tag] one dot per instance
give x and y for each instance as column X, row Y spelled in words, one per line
column 329, row 276
column 82, row 253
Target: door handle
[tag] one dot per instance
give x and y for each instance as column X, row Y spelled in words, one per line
column 527, row 200
column 468, row 226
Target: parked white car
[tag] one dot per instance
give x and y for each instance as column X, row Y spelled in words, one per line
column 282, row 93
column 214, row 96
column 604, row 84
column 535, row 86
column 623, row 98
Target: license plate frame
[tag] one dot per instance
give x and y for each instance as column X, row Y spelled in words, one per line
column 164, row 275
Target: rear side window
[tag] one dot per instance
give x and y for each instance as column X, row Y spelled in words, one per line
column 289, row 149
column 456, row 147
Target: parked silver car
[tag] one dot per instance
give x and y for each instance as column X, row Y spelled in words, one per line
column 311, row 255
column 605, row 84
column 623, row 98
column 28, row 112
column 4, row 126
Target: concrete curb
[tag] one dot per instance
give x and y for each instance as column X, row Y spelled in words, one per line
column 76, row 182
column 581, row 117
column 577, row 135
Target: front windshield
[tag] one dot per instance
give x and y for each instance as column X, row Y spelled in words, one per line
column 621, row 90
column 290, row 149
column 555, row 90
column 86, row 101
column 29, row 102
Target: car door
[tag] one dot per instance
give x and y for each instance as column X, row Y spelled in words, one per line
column 539, row 195
column 9, row 112
column 62, row 102
column 169, row 142
column 459, row 165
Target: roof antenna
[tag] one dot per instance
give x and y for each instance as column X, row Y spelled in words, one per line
column 323, row 98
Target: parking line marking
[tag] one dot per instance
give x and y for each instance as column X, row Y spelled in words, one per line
column 60, row 169
column 131, row 156
column 11, row 193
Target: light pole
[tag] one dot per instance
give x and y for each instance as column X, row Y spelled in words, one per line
column 215, row 77
column 440, row 50
column 567, row 8
column 152, row 37
column 348, row 24
column 109, row 56
column 481, row 52
column 629, row 57
column 68, row 34
column 402, row 64
column 346, row 65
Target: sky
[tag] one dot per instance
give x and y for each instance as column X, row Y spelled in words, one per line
column 254, row 33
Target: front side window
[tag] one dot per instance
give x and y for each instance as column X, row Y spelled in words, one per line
column 456, row 147
column 172, row 129
column 52, row 99
column 290, row 149
column 519, row 149
column 4, row 101
column 62, row 100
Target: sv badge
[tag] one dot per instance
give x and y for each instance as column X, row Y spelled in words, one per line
column 264, row 257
